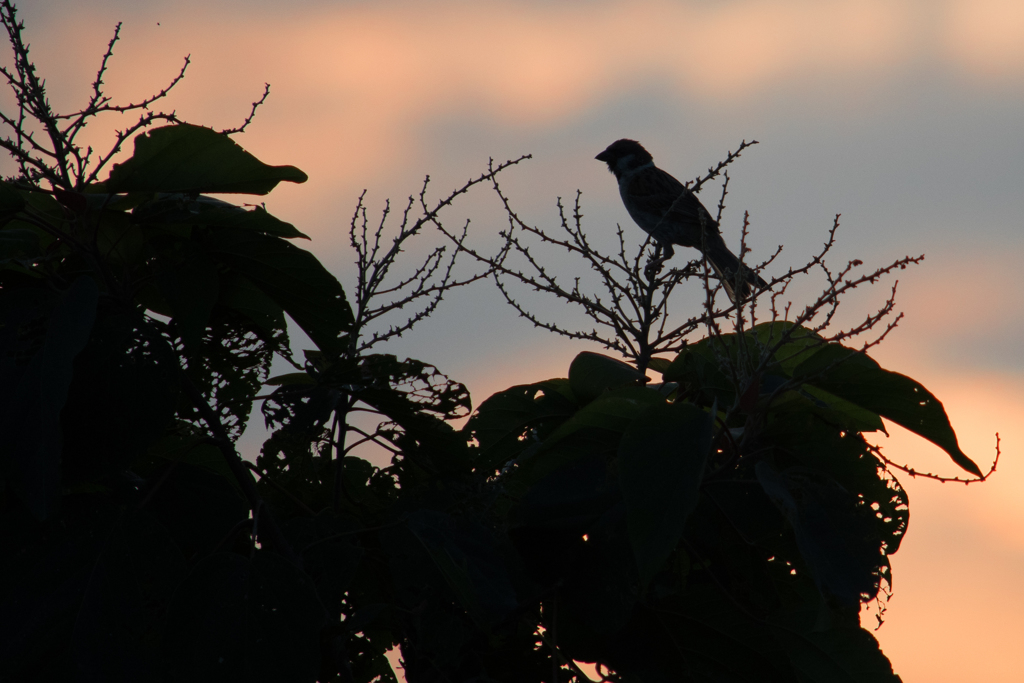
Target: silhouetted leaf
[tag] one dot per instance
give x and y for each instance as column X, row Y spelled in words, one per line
column 238, row 293
column 661, row 466
column 188, row 209
column 721, row 641
column 118, row 240
column 514, row 419
column 800, row 343
column 839, row 412
column 845, row 457
column 604, row 419
column 591, row 374
column 853, row 376
column 698, row 366
column 187, row 158
column 837, row 655
column 293, row 279
column 195, row 450
column 836, row 539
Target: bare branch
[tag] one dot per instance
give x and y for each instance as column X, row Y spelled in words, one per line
column 877, row 451
column 715, row 170
column 252, row 113
column 428, row 283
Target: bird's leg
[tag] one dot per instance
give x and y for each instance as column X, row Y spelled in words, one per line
column 653, row 268
column 662, row 252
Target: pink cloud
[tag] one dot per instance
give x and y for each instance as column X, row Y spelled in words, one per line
column 985, row 38
column 354, row 85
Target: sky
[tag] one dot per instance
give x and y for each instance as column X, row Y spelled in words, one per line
column 904, row 116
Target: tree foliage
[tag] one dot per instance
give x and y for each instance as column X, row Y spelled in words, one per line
column 725, row 523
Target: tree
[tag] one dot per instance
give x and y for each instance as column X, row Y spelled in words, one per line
column 723, row 524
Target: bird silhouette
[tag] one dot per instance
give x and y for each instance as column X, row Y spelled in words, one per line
column 671, row 214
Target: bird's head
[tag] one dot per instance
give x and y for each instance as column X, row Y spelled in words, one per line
column 625, row 155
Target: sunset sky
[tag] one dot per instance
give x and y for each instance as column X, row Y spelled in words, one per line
column 906, row 117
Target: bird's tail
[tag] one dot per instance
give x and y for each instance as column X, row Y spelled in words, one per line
column 732, row 273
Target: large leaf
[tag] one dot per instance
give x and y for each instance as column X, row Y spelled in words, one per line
column 838, row 540
column 845, row 457
column 187, row 158
column 661, row 465
column 855, row 377
column 591, row 374
column 749, row 510
column 186, row 209
column 705, row 364
column 699, row 366
column 414, row 384
column 238, row 293
column 614, row 411
column 515, row 419
column 810, row 400
column 595, row 426
column 844, row 654
column 839, row 411
column 795, row 344
column 293, row 278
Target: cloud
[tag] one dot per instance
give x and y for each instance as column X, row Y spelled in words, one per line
column 358, row 82
column 985, row 38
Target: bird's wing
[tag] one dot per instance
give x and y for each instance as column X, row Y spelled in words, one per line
column 656, row 193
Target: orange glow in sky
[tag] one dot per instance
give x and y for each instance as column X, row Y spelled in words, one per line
column 365, row 78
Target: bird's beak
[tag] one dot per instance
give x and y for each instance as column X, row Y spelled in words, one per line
column 603, row 156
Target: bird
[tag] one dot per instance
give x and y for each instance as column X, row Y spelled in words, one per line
column 672, row 215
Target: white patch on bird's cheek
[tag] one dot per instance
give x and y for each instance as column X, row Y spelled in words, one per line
column 626, row 168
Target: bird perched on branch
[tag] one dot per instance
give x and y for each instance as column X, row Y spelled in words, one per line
column 672, row 214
